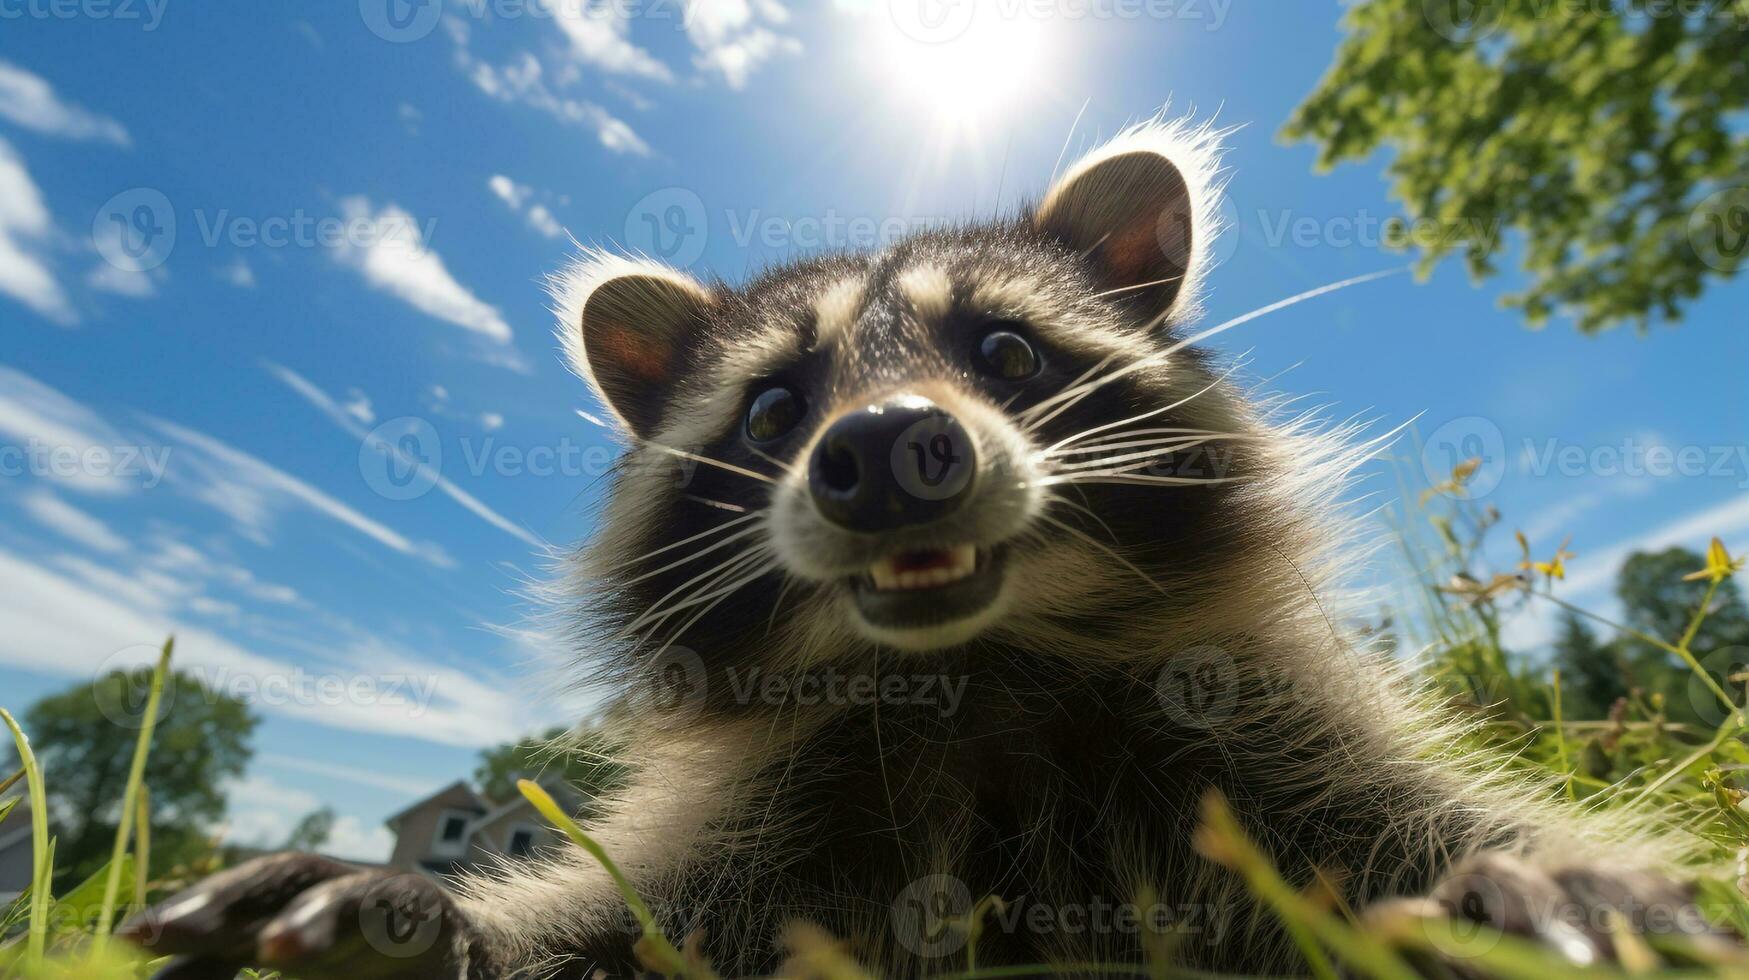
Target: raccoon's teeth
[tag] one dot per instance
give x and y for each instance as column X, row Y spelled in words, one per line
column 924, row 569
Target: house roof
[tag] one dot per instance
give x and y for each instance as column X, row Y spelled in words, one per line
column 470, row 798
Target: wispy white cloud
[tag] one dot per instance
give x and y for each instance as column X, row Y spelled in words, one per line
column 33, row 414
column 542, row 220
column 358, row 406
column 520, row 199
column 238, row 274
column 71, row 523
column 69, row 618
column 599, row 36
column 253, row 493
column 30, row 101
column 171, row 555
column 523, row 81
column 120, row 273
column 351, row 774
column 132, row 283
column 389, row 251
column 731, row 40
column 1729, row 520
column 68, row 443
column 337, row 414
column 514, row 195
column 24, row 226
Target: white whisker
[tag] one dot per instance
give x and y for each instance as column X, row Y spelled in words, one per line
column 1102, row 546
column 694, row 556
column 708, row 461
column 1156, row 358
column 1080, row 379
column 714, row 529
column 1106, row 427
column 1057, row 498
column 1133, row 479
column 720, row 595
column 1147, row 456
column 718, row 504
column 726, row 567
column 773, row 460
column 1123, row 440
column 1139, row 285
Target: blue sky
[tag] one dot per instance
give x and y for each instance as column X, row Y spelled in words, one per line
column 364, row 207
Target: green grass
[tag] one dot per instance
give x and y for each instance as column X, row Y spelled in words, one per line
column 1638, row 758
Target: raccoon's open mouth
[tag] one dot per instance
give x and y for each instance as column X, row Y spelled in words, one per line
column 929, row 586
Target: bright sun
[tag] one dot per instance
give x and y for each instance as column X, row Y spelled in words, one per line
column 966, row 61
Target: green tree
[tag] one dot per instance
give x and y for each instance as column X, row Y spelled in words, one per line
column 312, row 831
column 1603, row 134
column 84, row 738
column 587, row 759
column 1593, row 674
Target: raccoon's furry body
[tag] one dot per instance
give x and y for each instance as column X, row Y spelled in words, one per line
column 1157, row 641
column 957, row 570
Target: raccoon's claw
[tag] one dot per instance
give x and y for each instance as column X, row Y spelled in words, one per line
column 313, row 918
column 1588, row 915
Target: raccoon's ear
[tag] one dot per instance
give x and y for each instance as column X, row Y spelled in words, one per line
column 1138, row 209
column 626, row 325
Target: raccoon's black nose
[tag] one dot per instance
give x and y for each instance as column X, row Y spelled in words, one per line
column 900, row 463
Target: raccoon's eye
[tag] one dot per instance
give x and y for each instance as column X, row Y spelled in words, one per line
column 1007, row 355
column 773, row 413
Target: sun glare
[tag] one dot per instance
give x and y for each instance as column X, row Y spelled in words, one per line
column 965, row 62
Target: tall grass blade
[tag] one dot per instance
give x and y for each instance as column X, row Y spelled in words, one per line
column 130, row 798
column 41, row 862
column 142, row 846
column 655, row 947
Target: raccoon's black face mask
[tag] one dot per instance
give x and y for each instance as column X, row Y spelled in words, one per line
column 987, row 435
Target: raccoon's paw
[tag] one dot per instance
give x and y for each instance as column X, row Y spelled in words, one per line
column 1586, row 914
column 312, row 918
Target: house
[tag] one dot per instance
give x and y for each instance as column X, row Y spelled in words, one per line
column 15, row 852
column 456, row 829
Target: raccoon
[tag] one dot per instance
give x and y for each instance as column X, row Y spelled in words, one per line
column 960, row 569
